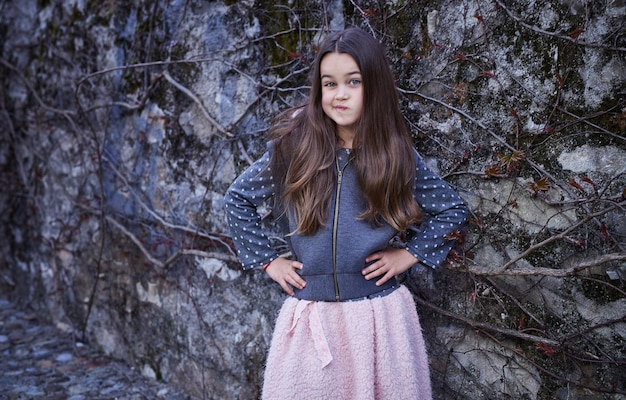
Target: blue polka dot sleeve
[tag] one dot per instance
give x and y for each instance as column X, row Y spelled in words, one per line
column 444, row 212
column 249, row 191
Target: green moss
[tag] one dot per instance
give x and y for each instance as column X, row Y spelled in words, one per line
column 276, row 18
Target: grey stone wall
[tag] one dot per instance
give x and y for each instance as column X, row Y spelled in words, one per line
column 123, row 123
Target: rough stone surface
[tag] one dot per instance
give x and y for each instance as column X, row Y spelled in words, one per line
column 39, row 361
column 123, row 123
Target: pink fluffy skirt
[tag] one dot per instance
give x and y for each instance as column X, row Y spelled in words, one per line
column 367, row 349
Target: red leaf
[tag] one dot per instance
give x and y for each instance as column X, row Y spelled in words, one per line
column 454, row 235
column 576, row 32
column 369, row 12
column 453, row 255
column 494, row 170
column 592, row 183
column 477, row 221
column 605, row 232
column 575, row 184
column 522, row 322
column 559, row 80
column 549, row 351
column 461, row 57
column 488, row 74
column 513, row 158
column 540, row 186
column 511, row 167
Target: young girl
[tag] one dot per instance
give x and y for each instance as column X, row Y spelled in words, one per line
column 343, row 171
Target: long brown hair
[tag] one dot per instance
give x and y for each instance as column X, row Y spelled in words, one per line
column 306, row 143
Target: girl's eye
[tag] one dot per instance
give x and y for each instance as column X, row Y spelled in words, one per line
column 329, row 84
column 355, row 82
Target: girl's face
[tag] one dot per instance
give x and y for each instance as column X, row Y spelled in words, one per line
column 342, row 92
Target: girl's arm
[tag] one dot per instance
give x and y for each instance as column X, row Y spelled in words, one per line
column 430, row 242
column 444, row 213
column 250, row 190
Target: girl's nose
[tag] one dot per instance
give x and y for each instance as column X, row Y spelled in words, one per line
column 342, row 93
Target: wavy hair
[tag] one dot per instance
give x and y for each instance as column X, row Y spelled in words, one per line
column 306, row 142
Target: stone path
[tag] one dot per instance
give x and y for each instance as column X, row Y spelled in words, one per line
column 37, row 361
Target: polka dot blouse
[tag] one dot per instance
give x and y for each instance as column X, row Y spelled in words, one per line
column 444, row 212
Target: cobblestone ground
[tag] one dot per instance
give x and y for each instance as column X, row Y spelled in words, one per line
column 37, row 361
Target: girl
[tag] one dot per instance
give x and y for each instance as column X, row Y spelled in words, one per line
column 343, row 171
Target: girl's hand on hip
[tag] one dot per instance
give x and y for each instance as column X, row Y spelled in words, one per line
column 387, row 264
column 284, row 272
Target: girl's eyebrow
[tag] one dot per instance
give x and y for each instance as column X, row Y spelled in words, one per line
column 348, row 74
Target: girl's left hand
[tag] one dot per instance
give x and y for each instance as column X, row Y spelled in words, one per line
column 388, row 263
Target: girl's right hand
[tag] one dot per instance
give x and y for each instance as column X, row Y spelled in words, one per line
column 284, row 272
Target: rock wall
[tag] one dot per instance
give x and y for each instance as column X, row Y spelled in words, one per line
column 123, row 123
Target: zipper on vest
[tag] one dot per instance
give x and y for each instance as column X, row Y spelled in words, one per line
column 336, row 223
